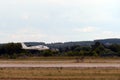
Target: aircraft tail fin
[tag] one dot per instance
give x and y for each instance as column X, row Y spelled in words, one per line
column 23, row 45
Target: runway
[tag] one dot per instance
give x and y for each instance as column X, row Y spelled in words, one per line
column 68, row 65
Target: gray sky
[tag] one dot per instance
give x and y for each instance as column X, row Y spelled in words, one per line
column 58, row 20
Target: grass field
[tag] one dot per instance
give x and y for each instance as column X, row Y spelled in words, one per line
column 39, row 60
column 59, row 74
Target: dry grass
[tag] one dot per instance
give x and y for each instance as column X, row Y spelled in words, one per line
column 59, row 74
column 48, row 60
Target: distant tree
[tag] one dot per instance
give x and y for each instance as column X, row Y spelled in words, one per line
column 69, row 53
column 115, row 47
column 47, row 53
column 97, row 49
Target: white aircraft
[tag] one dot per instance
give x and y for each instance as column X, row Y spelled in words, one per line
column 38, row 47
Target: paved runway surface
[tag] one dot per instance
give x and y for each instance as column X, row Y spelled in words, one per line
column 73, row 65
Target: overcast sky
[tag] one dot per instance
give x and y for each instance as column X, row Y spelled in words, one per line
column 58, row 20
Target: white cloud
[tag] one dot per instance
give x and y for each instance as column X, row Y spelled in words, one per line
column 27, row 34
column 51, row 14
column 60, row 2
column 25, row 16
column 107, row 34
column 86, row 29
column 23, row 37
column 93, row 2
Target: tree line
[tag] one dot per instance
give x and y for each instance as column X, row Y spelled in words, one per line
column 14, row 50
